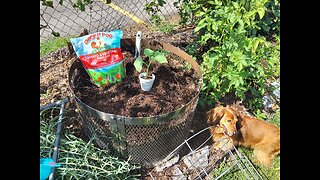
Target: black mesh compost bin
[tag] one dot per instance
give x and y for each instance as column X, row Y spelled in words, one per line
column 158, row 135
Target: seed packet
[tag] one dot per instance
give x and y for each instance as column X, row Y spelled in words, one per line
column 101, row 56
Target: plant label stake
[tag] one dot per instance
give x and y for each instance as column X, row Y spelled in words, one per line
column 138, row 44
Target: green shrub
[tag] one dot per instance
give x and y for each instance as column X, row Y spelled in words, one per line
column 237, row 57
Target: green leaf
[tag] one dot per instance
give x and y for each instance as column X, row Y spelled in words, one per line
column 175, row 4
column 255, row 45
column 261, row 12
column 43, row 26
column 219, row 3
column 86, row 2
column 243, row 61
column 161, row 2
column 47, row 3
column 266, row 28
column 138, row 64
column 205, row 38
column 56, row 34
column 61, row 2
column 235, row 4
column 79, row 4
column 199, row 14
column 239, row 66
column 82, row 7
column 214, row 26
column 148, row 52
column 200, row 25
column 160, row 58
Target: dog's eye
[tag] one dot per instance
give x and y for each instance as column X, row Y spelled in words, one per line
column 229, row 120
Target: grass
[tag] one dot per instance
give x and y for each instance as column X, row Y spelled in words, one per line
column 267, row 173
column 80, row 159
column 165, row 26
column 52, row 45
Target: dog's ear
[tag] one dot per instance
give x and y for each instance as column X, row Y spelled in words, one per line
column 234, row 111
column 214, row 115
column 238, row 114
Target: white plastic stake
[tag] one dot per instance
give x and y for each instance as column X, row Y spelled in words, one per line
column 138, row 44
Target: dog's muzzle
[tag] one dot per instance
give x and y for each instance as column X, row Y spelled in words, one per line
column 228, row 133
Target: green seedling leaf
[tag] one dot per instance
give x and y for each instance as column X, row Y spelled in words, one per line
column 148, row 52
column 160, row 58
column 138, row 64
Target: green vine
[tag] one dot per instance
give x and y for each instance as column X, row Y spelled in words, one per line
column 153, row 9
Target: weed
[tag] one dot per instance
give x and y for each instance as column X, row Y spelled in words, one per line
column 52, row 45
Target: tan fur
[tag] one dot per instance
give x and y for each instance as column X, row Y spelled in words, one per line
column 250, row 132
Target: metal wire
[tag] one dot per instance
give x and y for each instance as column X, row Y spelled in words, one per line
column 238, row 160
column 62, row 103
column 98, row 16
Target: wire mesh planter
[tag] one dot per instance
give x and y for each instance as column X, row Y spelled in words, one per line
column 144, row 140
column 201, row 162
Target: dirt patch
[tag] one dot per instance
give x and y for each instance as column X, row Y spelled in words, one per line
column 175, row 85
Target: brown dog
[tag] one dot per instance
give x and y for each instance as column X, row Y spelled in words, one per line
column 246, row 131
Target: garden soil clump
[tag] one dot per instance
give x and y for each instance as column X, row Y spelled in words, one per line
column 175, row 85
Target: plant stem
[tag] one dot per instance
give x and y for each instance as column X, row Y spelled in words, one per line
column 147, row 70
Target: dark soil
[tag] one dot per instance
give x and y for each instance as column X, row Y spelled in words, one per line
column 175, row 85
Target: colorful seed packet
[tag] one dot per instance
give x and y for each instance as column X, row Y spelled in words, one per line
column 100, row 54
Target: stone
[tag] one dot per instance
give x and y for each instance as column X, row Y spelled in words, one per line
column 197, row 159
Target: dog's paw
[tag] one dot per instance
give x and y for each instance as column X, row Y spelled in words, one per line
column 223, row 145
column 263, row 158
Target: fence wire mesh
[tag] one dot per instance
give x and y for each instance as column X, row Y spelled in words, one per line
column 97, row 16
column 202, row 161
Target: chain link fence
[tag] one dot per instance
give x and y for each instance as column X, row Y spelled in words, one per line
column 98, row 16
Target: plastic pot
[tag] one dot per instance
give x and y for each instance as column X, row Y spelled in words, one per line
column 146, row 84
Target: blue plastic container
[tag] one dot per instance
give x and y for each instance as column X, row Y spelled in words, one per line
column 46, row 165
